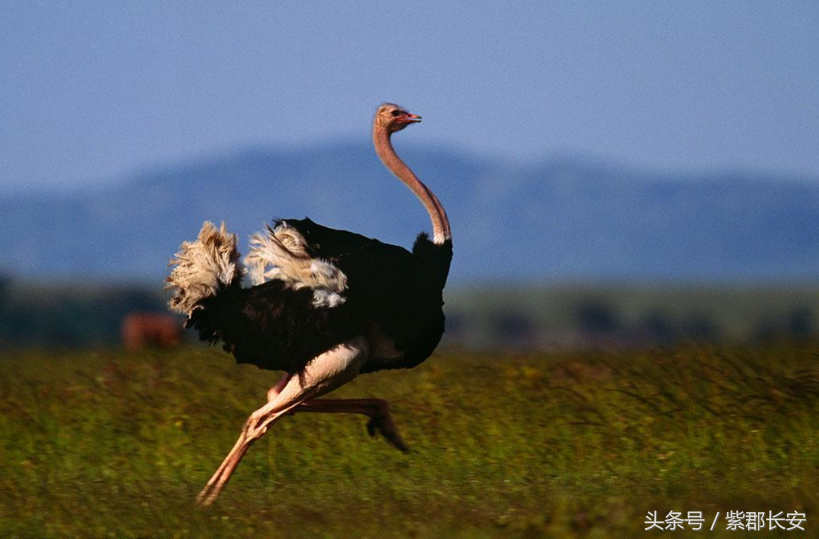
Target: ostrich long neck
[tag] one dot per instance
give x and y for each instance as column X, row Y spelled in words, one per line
column 384, row 149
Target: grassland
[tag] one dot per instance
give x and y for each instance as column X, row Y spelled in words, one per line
column 105, row 444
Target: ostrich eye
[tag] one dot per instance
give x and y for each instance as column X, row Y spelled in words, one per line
column 396, row 113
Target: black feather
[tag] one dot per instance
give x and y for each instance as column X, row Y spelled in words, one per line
column 389, row 288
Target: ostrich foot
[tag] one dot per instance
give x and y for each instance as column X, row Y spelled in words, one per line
column 384, row 425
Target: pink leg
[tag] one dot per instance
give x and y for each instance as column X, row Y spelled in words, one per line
column 273, row 392
column 377, row 410
column 323, row 374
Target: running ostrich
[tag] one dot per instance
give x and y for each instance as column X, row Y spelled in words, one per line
column 327, row 305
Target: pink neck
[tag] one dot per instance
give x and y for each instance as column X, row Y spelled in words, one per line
column 437, row 214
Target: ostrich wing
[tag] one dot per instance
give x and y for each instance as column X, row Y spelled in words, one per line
column 342, row 246
column 307, row 254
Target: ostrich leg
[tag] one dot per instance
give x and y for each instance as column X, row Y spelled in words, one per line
column 323, row 374
column 378, row 410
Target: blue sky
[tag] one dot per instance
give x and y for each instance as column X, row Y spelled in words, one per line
column 91, row 91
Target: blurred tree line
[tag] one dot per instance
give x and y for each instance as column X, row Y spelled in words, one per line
column 82, row 315
column 614, row 316
column 69, row 315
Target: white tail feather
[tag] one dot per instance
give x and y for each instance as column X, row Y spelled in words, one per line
column 282, row 254
column 203, row 268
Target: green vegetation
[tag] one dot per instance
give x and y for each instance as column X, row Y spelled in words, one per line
column 107, row 444
column 629, row 314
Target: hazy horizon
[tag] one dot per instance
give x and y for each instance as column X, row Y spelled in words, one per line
column 95, row 91
column 71, row 186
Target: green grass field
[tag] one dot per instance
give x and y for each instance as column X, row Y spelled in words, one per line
column 105, row 444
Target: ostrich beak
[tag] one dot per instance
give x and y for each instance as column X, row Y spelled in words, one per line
column 410, row 118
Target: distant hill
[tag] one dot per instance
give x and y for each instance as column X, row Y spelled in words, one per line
column 559, row 219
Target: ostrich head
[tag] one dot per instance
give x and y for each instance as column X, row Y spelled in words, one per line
column 394, row 118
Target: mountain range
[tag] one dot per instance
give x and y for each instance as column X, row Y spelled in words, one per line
column 558, row 219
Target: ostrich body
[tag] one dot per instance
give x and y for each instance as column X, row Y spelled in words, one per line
column 328, row 305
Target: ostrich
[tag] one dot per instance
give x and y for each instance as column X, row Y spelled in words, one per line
column 327, row 306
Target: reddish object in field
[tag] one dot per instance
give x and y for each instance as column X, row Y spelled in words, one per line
column 141, row 330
